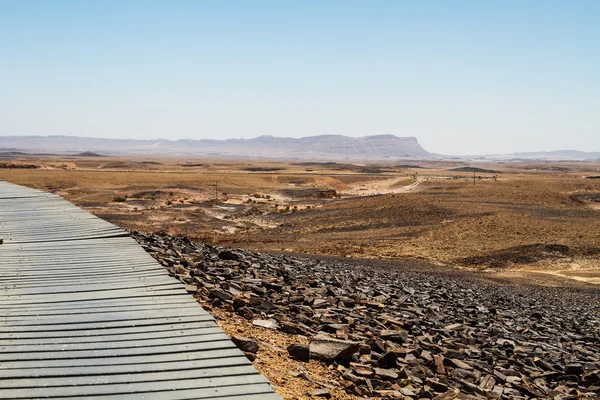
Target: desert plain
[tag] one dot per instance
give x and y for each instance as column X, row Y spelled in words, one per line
column 524, row 220
column 459, row 280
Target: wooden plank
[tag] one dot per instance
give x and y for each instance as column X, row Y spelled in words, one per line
column 188, row 332
column 121, row 315
column 28, row 273
column 91, row 304
column 77, row 297
column 147, row 285
column 171, row 357
column 142, row 376
column 86, row 312
column 181, row 306
column 28, row 334
column 179, row 365
column 115, row 322
column 252, row 392
column 218, row 343
column 80, row 268
column 129, row 344
column 25, row 281
column 205, row 387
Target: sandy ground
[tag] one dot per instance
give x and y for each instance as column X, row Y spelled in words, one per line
column 430, row 214
column 388, row 186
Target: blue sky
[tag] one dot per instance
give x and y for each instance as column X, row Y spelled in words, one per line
column 464, row 77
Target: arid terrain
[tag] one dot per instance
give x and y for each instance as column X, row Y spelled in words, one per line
column 533, row 220
column 439, row 280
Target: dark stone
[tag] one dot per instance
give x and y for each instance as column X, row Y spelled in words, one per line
column 394, row 336
column 437, row 386
column 239, row 302
column 292, row 329
column 245, row 344
column 299, row 351
column 574, row 369
column 246, row 313
column 228, row 255
column 591, row 378
column 388, row 360
column 439, row 333
column 220, row 294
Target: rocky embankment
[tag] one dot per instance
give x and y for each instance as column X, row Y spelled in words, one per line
column 394, row 334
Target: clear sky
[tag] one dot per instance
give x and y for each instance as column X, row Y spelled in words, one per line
column 464, row 77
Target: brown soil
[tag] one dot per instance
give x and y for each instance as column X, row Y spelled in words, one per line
column 533, row 226
column 274, row 362
column 520, row 221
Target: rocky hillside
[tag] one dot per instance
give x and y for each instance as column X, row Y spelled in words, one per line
column 326, row 147
column 392, row 333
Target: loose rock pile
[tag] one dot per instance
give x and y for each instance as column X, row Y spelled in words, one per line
column 395, row 334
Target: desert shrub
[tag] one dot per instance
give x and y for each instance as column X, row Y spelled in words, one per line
column 119, row 199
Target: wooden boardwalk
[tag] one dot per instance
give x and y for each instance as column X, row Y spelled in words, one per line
column 87, row 313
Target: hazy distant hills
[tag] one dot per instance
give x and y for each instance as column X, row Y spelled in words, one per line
column 558, row 155
column 324, row 147
column 331, row 147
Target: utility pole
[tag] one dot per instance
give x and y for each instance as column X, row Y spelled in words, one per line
column 216, row 185
column 473, row 176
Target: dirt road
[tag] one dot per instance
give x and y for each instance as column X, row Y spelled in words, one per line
column 388, row 186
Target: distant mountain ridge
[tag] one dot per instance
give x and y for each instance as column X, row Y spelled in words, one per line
column 378, row 147
column 318, row 148
column 556, row 155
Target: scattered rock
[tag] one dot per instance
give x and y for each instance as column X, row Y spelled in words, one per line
column 326, row 348
column 324, row 393
column 299, row 351
column 268, row 323
column 228, row 255
column 459, row 364
column 574, row 369
column 386, row 374
column 398, row 334
column 245, row 344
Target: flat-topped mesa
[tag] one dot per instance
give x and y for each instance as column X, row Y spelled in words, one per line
column 393, row 146
column 337, row 146
column 323, row 147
